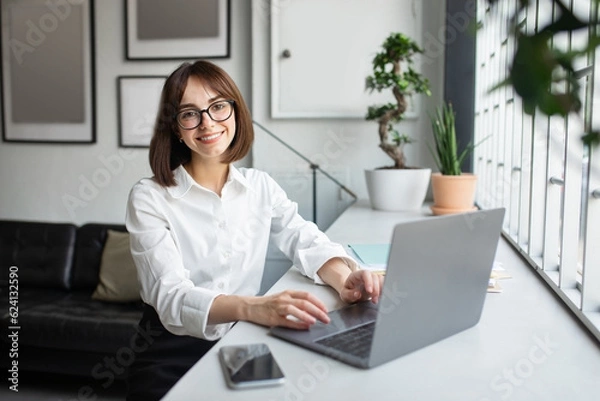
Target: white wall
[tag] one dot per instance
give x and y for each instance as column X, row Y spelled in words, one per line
column 342, row 146
column 36, row 179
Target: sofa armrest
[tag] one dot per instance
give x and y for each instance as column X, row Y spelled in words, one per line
column 43, row 252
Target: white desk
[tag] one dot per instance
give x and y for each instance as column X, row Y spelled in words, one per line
column 526, row 347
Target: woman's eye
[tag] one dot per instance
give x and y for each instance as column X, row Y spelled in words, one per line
column 189, row 114
column 218, row 107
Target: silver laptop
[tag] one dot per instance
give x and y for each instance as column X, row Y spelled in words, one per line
column 435, row 286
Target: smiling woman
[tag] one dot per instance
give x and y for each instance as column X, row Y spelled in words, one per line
column 167, row 152
column 200, row 229
column 207, row 138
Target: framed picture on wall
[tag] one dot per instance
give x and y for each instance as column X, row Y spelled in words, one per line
column 47, row 71
column 176, row 29
column 138, row 103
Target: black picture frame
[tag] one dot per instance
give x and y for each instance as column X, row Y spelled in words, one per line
column 47, row 72
column 138, row 100
column 176, row 39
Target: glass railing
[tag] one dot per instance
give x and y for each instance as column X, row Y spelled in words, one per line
column 321, row 196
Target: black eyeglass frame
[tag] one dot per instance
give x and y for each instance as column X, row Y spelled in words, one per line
column 201, row 111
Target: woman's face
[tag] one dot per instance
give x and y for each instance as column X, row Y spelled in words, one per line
column 210, row 139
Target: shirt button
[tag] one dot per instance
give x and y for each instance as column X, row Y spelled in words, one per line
column 226, row 254
column 221, row 285
column 222, row 225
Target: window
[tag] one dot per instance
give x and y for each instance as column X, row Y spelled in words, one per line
column 538, row 167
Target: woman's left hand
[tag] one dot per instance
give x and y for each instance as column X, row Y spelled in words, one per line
column 362, row 285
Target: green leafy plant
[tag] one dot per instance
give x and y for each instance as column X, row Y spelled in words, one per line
column 543, row 75
column 393, row 69
column 446, row 155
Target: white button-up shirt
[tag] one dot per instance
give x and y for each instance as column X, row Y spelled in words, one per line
column 190, row 245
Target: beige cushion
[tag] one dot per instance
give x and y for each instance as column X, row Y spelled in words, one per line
column 118, row 276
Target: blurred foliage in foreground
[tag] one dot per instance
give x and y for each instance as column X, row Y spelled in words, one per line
column 544, row 76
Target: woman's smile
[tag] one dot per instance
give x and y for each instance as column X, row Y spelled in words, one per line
column 210, row 138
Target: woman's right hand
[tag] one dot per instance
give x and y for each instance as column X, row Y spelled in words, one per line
column 290, row 308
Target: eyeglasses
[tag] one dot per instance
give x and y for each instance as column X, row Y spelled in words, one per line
column 218, row 111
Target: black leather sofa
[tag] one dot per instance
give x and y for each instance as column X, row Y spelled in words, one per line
column 49, row 272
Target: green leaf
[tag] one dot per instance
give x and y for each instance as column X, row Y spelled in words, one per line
column 506, row 82
column 566, row 22
column 593, row 138
column 532, row 67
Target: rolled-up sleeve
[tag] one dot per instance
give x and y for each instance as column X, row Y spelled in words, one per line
column 165, row 283
column 301, row 240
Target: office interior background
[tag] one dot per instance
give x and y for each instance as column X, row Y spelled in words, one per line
column 535, row 166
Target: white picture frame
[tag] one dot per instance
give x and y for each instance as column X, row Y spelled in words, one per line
column 48, row 85
column 138, row 105
column 169, row 36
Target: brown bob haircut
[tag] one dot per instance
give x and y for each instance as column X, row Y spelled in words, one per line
column 166, row 152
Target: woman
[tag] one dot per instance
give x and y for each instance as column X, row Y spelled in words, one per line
column 200, row 229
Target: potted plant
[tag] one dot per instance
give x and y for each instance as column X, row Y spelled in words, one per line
column 396, row 187
column 453, row 190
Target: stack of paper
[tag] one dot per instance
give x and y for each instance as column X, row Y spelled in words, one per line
column 498, row 273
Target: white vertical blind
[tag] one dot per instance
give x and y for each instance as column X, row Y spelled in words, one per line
column 590, row 287
column 538, row 167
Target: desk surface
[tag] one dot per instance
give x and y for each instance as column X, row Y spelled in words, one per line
column 527, row 346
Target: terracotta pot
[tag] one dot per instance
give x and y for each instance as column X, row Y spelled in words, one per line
column 453, row 193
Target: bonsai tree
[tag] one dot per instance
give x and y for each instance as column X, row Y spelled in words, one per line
column 392, row 69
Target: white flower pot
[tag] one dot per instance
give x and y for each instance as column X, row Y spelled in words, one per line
column 397, row 189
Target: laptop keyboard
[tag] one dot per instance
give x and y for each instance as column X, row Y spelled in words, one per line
column 356, row 341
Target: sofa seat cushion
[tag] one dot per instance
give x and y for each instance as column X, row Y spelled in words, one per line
column 76, row 322
column 30, row 298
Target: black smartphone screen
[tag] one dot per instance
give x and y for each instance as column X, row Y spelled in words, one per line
column 250, row 365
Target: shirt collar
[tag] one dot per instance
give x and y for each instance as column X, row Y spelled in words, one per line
column 237, row 176
column 184, row 181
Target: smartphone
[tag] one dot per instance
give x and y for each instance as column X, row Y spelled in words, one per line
column 250, row 365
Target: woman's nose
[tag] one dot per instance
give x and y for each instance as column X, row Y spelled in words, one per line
column 205, row 119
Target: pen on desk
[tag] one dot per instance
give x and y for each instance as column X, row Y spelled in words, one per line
column 363, row 264
column 356, row 255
